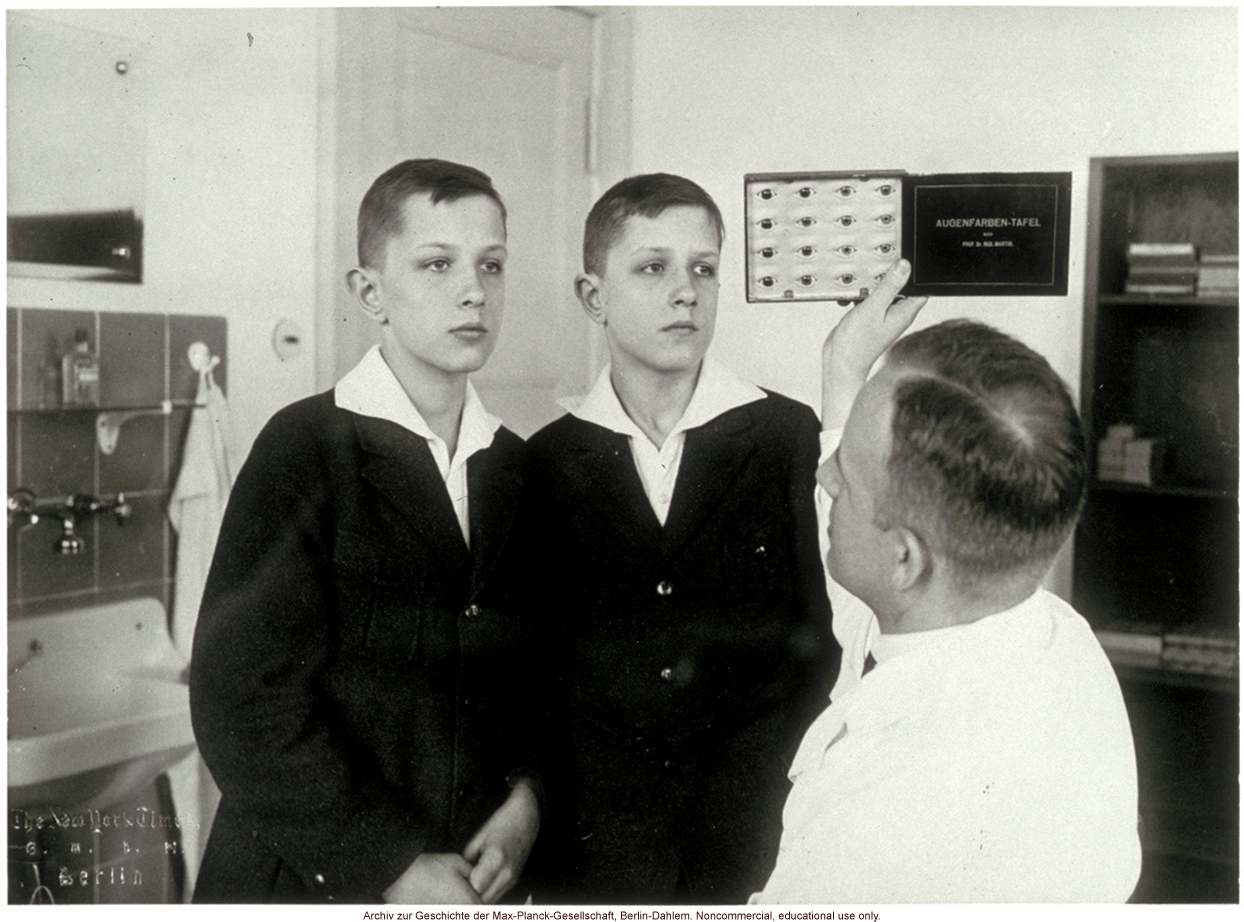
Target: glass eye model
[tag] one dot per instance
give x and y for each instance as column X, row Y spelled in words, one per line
column 845, row 221
column 887, row 189
column 845, row 250
column 807, row 280
column 768, row 281
column 807, row 221
column 845, row 279
column 845, row 191
column 885, row 219
column 807, row 192
column 767, row 194
column 768, row 252
column 807, row 251
column 885, row 249
column 766, row 223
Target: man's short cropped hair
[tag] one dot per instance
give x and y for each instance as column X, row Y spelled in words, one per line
column 380, row 213
column 987, row 460
column 647, row 195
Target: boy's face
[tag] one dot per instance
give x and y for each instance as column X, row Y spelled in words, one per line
column 658, row 295
column 439, row 291
column 855, row 476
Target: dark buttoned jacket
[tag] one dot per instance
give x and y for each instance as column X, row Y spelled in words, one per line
column 351, row 686
column 686, row 660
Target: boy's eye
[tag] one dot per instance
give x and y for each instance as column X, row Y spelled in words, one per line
column 493, row 266
column 652, row 268
column 705, row 270
column 437, row 265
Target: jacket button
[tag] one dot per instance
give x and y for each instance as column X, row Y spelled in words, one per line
column 471, row 611
column 318, row 879
column 664, row 588
column 667, row 673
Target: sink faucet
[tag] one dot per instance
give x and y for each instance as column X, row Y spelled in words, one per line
column 25, row 509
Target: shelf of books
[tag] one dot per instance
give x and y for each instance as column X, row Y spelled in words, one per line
column 1156, row 553
column 1158, row 543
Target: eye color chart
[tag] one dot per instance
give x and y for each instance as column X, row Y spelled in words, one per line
column 832, row 236
column 820, row 236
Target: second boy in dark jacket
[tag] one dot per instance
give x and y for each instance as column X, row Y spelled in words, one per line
column 676, row 580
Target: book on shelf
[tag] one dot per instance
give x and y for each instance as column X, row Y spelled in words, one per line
column 1161, row 269
column 1131, row 637
column 1151, row 288
column 1218, row 275
column 1203, row 635
column 1121, row 456
column 1176, row 252
column 1194, row 659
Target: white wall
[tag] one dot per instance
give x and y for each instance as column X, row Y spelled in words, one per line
column 724, row 91
column 229, row 216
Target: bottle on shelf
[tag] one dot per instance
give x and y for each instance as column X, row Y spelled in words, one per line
column 80, row 373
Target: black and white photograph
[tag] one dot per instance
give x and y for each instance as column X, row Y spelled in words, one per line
column 636, row 463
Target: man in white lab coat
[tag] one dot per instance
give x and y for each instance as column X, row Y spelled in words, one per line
column 976, row 748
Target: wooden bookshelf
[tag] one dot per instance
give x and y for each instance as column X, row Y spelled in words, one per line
column 1168, row 553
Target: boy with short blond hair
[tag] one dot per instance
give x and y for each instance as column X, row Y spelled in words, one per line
column 352, row 684
column 676, row 580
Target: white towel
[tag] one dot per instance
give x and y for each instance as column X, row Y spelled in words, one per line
column 198, row 503
column 195, row 510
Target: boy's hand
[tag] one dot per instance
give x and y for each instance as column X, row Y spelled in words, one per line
column 861, row 337
column 433, row 878
column 500, row 848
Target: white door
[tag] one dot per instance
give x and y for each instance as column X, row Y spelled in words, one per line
column 504, row 89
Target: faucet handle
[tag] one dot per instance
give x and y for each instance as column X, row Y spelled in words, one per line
column 21, row 507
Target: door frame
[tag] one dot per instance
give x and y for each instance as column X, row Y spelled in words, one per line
column 609, row 141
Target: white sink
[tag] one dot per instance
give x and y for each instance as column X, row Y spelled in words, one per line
column 98, row 705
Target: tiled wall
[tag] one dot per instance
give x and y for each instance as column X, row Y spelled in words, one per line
column 53, row 452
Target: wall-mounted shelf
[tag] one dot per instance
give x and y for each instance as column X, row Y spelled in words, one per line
column 1159, row 300
column 1188, row 492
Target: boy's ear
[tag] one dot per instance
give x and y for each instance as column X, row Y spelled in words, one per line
column 362, row 284
column 910, row 558
column 587, row 288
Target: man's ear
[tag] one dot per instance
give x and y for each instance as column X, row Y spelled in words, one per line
column 587, row 289
column 363, row 285
column 910, row 558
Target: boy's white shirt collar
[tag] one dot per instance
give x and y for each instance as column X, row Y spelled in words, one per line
column 371, row 389
column 717, row 391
